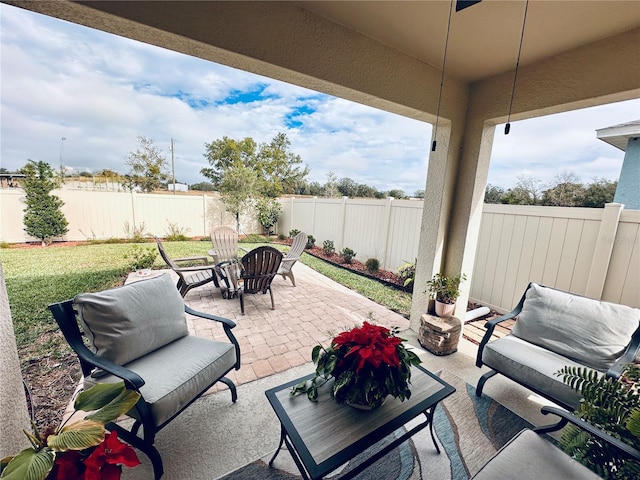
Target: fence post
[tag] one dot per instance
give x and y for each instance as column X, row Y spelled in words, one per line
column 603, row 250
column 204, row 214
column 344, row 219
column 313, row 216
column 387, row 232
column 292, row 215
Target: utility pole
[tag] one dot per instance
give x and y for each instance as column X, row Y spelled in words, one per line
column 61, row 147
column 173, row 170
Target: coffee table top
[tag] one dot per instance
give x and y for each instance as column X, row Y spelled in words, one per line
column 326, row 434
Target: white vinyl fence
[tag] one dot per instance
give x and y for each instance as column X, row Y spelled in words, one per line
column 102, row 215
column 588, row 251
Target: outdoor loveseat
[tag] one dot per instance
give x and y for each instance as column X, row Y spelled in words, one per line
column 554, row 329
column 138, row 333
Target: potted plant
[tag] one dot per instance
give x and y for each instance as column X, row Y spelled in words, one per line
column 445, row 290
column 367, row 364
column 82, row 449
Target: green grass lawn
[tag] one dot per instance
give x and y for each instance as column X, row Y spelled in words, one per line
column 36, row 277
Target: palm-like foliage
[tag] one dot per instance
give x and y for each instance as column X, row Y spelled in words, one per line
column 613, row 407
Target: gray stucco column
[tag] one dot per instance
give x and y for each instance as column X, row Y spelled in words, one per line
column 14, row 416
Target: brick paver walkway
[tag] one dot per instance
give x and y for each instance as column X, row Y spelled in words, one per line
column 272, row 341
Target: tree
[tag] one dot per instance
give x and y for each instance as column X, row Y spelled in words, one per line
column 148, row 166
column 43, row 217
column 418, row 194
column 599, row 192
column 567, row 191
column 529, row 187
column 347, row 187
column 493, row 194
column 202, row 187
column 238, row 190
column 278, row 169
column 366, row 191
column 269, row 210
column 331, row 187
column 396, row 193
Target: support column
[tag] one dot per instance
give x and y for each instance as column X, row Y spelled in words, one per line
column 14, row 416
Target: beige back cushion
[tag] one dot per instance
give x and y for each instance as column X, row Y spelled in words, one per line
column 127, row 322
column 589, row 331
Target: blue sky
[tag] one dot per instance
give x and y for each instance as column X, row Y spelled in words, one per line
column 100, row 92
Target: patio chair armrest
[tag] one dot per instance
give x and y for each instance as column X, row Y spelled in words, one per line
column 195, row 268
column 227, row 325
column 290, row 259
column 132, row 380
column 196, row 258
column 491, row 325
column 567, row 417
column 627, row 357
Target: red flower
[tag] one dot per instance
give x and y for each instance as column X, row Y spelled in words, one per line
column 104, row 462
column 370, row 344
column 67, row 466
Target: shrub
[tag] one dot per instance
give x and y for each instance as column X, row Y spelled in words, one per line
column 407, row 273
column 327, row 247
column 141, row 257
column 281, row 236
column 347, row 254
column 293, row 232
column 372, row 264
column 311, row 241
column 136, row 234
column 269, row 210
column 176, row 234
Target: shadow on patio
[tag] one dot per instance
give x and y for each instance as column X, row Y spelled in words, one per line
column 276, row 348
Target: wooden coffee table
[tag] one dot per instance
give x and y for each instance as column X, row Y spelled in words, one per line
column 321, row 436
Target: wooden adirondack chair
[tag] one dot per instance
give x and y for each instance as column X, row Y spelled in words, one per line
column 297, row 247
column 189, row 277
column 259, row 267
column 225, row 244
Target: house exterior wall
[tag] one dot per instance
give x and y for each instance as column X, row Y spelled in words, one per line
column 628, row 190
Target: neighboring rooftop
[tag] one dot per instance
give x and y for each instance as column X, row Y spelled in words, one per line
column 619, row 135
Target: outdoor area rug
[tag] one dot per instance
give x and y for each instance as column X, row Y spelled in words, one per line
column 469, row 430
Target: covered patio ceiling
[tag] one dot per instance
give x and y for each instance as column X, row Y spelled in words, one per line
column 389, row 55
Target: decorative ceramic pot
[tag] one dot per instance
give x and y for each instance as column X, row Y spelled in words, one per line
column 445, row 309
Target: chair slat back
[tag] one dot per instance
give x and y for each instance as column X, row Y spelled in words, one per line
column 225, row 243
column 297, row 246
column 259, row 267
column 164, row 255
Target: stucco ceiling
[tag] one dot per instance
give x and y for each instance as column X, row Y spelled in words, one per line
column 483, row 38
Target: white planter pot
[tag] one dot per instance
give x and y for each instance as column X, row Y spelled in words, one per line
column 445, row 309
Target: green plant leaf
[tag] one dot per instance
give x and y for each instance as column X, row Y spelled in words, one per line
column 116, row 407
column 29, row 464
column 98, row 396
column 77, row 436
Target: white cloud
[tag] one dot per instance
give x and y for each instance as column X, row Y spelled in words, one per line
column 100, row 92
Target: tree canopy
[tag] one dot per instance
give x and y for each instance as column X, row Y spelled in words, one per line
column 277, row 169
column 148, row 166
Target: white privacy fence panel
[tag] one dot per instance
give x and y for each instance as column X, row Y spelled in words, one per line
column 582, row 250
column 588, row 251
column 100, row 215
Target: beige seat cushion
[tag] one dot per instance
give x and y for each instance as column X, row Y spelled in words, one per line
column 589, row 331
column 125, row 323
column 175, row 374
column 528, row 456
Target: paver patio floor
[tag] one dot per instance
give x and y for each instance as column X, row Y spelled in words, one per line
column 272, row 341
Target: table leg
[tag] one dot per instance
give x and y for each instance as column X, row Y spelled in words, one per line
column 429, row 415
column 294, row 455
column 282, row 435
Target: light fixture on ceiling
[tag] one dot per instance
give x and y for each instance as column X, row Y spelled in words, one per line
column 507, row 127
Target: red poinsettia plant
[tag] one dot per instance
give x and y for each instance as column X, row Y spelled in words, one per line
column 367, row 364
column 81, row 450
